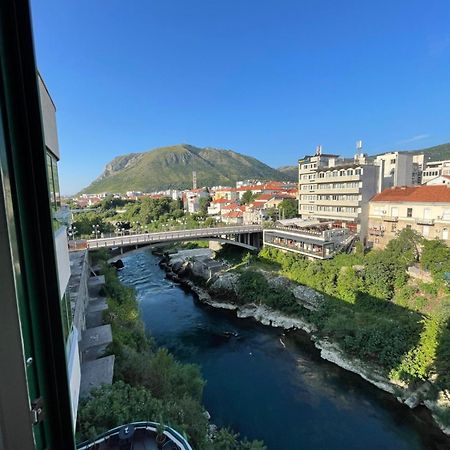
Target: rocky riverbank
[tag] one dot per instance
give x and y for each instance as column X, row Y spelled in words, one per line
column 219, row 290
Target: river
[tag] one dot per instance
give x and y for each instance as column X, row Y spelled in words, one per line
column 271, row 386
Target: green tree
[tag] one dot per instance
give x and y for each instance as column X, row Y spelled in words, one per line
column 203, row 205
column 247, row 197
column 348, row 284
column 288, row 208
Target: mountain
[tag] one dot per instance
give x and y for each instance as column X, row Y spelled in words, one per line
column 171, row 167
column 290, row 172
column 436, row 153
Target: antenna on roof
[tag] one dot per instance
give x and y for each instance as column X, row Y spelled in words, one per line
column 318, row 150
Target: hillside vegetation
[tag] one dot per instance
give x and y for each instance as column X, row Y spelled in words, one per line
column 171, row 167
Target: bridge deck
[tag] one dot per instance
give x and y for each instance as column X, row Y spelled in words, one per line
column 171, row 236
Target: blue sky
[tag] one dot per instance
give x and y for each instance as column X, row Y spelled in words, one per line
column 267, row 78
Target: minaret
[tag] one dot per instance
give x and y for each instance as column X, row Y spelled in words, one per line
column 194, row 179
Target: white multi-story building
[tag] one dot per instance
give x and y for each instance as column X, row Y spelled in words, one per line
column 435, row 169
column 336, row 191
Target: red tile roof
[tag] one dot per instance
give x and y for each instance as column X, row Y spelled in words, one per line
column 221, row 200
column 419, row 194
column 234, row 214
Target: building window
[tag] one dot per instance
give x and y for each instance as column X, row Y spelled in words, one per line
column 409, row 212
column 53, row 182
column 394, row 227
column 393, row 161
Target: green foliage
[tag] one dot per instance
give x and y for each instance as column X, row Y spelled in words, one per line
column 405, row 248
column 348, row 284
column 372, row 312
column 110, row 202
column 110, row 406
column 86, row 221
column 226, row 439
column 288, row 208
column 203, row 205
column 419, row 360
column 247, row 197
column 435, row 258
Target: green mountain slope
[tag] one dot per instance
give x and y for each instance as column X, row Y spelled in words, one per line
column 171, row 167
column 436, row 153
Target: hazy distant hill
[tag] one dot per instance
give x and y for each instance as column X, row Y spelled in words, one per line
column 291, row 172
column 171, row 167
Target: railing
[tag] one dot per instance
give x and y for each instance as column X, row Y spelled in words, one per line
column 390, row 218
column 376, row 233
column 167, row 236
column 424, row 221
column 172, row 434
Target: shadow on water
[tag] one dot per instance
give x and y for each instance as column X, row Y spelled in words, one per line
column 274, row 386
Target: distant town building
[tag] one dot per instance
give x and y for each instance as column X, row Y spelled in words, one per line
column 435, row 169
column 425, row 209
column 397, row 169
column 191, row 199
column 440, row 180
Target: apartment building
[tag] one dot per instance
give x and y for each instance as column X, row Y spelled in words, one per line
column 399, row 169
column 435, row 169
column 425, row 209
column 337, row 191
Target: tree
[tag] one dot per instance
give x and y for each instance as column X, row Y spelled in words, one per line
column 288, row 208
column 405, row 247
column 247, row 197
column 203, row 204
column 348, row 284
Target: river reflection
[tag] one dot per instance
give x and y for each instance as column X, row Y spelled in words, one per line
column 271, row 389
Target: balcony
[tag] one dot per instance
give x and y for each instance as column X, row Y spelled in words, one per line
column 424, row 221
column 375, row 232
column 390, row 219
column 136, row 435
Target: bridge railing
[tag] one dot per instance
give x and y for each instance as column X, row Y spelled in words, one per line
column 168, row 236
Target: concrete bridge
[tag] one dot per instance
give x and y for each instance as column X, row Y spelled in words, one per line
column 247, row 236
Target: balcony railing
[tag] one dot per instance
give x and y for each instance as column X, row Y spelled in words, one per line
column 424, row 221
column 390, row 218
column 374, row 232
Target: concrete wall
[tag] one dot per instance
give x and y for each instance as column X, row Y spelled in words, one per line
column 62, row 259
column 74, row 372
column 48, row 111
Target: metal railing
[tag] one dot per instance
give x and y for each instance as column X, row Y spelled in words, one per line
column 176, row 437
column 168, row 236
column 424, row 221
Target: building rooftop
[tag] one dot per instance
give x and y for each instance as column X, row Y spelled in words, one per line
column 419, row 194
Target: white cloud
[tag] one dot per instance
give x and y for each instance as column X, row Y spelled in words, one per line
column 418, row 137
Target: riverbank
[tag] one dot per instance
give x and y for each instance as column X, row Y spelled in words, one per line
column 220, row 291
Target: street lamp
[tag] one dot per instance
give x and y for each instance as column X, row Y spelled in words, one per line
column 96, row 230
column 72, row 231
